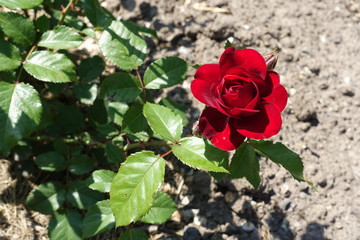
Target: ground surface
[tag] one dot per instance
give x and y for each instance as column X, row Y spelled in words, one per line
column 320, row 67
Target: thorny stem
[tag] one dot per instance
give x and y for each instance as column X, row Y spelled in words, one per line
column 65, row 11
column 167, row 153
column 142, row 84
column 22, row 66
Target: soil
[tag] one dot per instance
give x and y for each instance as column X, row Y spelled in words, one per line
column 319, row 65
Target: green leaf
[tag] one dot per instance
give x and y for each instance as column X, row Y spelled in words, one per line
column 50, row 67
column 97, row 15
column 122, row 45
column 143, row 30
column 114, row 153
column 165, row 72
column 71, row 18
column 69, row 119
column 86, row 92
column 161, row 210
column 178, row 108
column 133, row 235
column 120, row 87
column 80, row 164
column 199, row 154
column 99, row 218
column 9, row 56
column 134, row 120
column 80, row 196
column 116, row 111
column 17, row 27
column 163, row 121
column 20, row 113
column 279, row 153
column 23, row 4
column 101, row 180
column 244, row 163
column 42, row 23
column 65, row 225
column 91, row 68
column 51, row 161
column 46, row 198
column 61, row 37
column 139, row 177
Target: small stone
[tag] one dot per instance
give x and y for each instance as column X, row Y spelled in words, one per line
column 200, row 220
column 187, row 215
column 192, row 233
column 229, row 197
column 248, row 227
column 153, row 228
column 176, row 216
column 285, row 204
column 292, row 91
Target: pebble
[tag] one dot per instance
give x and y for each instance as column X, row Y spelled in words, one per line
column 153, row 228
column 229, row 197
column 192, row 233
column 248, row 227
column 187, row 215
column 200, row 220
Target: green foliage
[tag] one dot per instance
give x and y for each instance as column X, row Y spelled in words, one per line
column 20, row 29
column 139, row 177
column 132, row 235
column 120, row 87
column 47, row 197
column 165, row 72
column 101, row 180
column 280, row 154
column 24, row 4
column 244, row 163
column 80, row 164
column 122, row 45
column 9, row 56
column 99, row 218
column 20, row 113
column 65, row 225
column 50, row 67
column 51, row 161
column 61, row 37
column 134, row 120
column 161, row 210
column 199, row 154
column 81, row 196
column 163, row 121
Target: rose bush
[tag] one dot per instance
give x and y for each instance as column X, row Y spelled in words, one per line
column 243, row 95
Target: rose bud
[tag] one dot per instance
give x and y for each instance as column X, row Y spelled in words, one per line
column 244, row 98
column 271, row 59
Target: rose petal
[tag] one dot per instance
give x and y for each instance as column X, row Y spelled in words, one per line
column 249, row 59
column 202, row 86
column 264, row 124
column 278, row 97
column 220, row 129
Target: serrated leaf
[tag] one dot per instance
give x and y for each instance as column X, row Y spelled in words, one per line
column 46, row 198
column 23, row 4
column 163, row 121
column 134, row 120
column 133, row 235
column 65, row 225
column 101, row 180
column 244, row 163
column 120, row 87
column 50, row 67
column 86, row 92
column 132, row 189
column 199, row 154
column 122, row 45
column 279, row 153
column 51, row 161
column 178, row 108
column 81, row 196
column 97, row 15
column 165, row 72
column 17, row 27
column 116, row 111
column 9, row 56
column 20, row 113
column 161, row 210
column 61, row 37
column 99, row 218
column 91, row 68
column 80, row 164
column 114, row 153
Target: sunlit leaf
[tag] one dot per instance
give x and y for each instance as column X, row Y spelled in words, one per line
column 18, row 28
column 23, row 4
column 65, row 225
column 139, row 177
column 61, row 37
column 101, row 180
column 161, row 210
column 81, row 196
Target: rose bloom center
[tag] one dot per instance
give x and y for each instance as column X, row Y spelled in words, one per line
column 237, row 92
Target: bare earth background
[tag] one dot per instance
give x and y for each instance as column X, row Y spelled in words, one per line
column 320, row 67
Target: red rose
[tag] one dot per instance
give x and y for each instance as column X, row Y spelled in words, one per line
column 244, row 96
